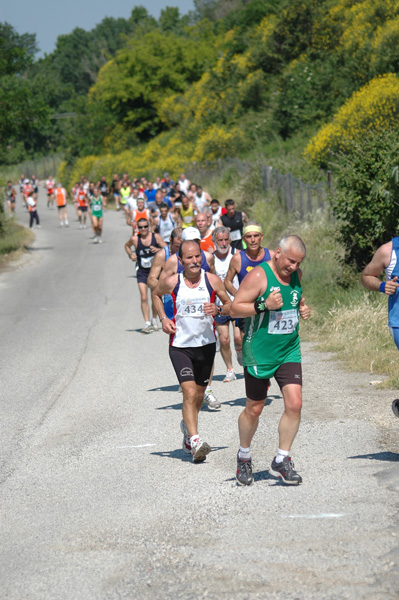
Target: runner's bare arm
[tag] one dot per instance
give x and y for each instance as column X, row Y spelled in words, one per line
column 128, row 247
column 234, row 268
column 370, row 275
column 156, row 269
column 211, row 308
column 165, row 286
column 252, row 286
column 211, row 262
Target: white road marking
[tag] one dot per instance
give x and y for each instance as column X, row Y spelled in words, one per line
column 141, row 446
column 320, row 516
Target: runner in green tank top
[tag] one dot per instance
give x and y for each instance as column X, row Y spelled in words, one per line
column 271, row 337
column 96, row 212
column 271, row 295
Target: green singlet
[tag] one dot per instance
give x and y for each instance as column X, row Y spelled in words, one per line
column 271, row 338
column 96, row 206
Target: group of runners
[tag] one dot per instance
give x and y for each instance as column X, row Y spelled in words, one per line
column 210, row 279
column 203, row 273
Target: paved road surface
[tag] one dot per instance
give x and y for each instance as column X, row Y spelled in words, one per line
column 98, row 500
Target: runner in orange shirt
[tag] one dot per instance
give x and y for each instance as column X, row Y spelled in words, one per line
column 61, row 199
column 140, row 213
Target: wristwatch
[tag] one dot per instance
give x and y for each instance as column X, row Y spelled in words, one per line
column 220, row 308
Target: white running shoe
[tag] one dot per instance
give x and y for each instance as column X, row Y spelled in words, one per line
column 95, row 241
column 148, row 328
column 230, row 376
column 199, row 450
column 186, row 438
column 211, row 401
column 100, row 241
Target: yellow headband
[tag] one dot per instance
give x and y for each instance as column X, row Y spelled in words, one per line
column 252, row 229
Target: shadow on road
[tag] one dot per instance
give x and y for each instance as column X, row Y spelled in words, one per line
column 30, row 249
column 384, row 456
column 181, row 455
column 261, row 476
column 165, row 388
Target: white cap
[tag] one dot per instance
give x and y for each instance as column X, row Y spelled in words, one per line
column 190, row 233
column 140, row 197
column 26, row 180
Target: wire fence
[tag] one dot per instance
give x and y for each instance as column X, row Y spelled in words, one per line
column 42, row 167
column 296, row 196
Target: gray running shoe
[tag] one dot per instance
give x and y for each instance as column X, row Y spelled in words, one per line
column 211, row 401
column 147, row 328
column 395, row 408
column 199, row 450
column 285, row 470
column 244, row 471
column 186, row 438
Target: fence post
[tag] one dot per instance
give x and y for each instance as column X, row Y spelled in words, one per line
column 301, row 200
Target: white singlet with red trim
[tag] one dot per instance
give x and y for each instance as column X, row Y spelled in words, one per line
column 193, row 327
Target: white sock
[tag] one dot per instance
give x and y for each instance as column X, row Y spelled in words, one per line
column 244, row 453
column 281, row 454
column 148, row 323
column 208, row 389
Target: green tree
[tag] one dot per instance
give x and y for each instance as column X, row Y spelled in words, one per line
column 150, row 68
column 16, row 51
column 366, row 203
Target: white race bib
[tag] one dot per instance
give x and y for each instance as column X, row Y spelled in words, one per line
column 235, row 235
column 188, row 219
column 146, row 262
column 192, row 308
column 283, row 321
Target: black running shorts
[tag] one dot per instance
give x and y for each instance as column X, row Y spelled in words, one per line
column 256, row 389
column 193, row 364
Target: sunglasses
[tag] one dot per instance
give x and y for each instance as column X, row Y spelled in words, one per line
column 143, row 227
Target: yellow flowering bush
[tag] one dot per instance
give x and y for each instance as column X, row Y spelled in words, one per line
column 218, row 142
column 375, row 106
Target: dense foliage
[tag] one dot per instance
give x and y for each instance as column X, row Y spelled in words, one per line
column 227, row 79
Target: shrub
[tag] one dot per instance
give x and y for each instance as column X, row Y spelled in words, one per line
column 374, row 107
column 366, row 203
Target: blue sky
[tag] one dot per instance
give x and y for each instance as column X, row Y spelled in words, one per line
column 51, row 18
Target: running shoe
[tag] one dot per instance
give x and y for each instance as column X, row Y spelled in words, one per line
column 199, row 450
column 244, row 471
column 147, row 328
column 186, row 438
column 285, row 470
column 100, row 241
column 211, row 401
column 395, row 408
column 95, row 240
column 230, row 376
column 239, row 357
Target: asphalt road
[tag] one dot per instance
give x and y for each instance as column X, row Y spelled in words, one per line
column 99, row 501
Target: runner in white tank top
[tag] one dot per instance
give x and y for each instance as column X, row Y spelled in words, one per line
column 193, row 326
column 192, row 342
